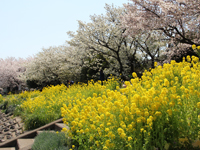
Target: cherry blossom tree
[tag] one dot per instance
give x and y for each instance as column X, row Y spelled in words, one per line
column 177, row 19
column 54, row 65
column 152, row 47
column 104, row 35
column 11, row 72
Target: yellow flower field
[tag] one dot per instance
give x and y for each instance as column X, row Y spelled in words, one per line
column 156, row 111
column 160, row 110
column 38, row 108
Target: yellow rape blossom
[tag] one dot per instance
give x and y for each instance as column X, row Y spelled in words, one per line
column 130, row 138
column 108, row 117
column 198, row 105
column 193, row 46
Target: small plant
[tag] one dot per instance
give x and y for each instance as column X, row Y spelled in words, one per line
column 4, row 105
column 1, row 97
column 196, row 48
column 50, row 141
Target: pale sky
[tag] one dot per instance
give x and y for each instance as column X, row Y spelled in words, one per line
column 27, row 26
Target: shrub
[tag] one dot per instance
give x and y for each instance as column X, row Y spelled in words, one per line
column 50, row 141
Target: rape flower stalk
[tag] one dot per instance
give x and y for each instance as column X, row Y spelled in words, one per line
column 196, row 48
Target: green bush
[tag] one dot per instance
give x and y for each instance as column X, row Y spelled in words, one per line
column 50, row 141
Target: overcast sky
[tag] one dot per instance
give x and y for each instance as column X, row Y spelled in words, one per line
column 27, row 26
